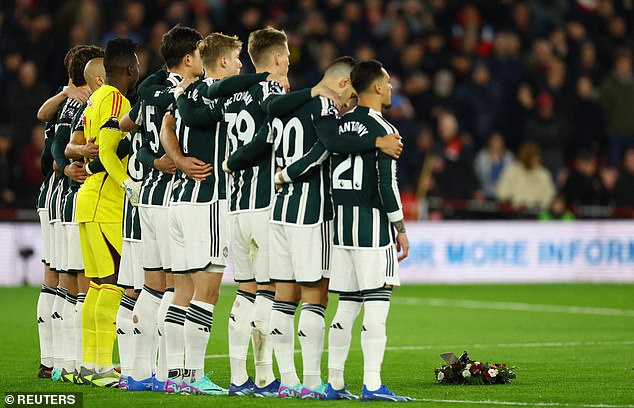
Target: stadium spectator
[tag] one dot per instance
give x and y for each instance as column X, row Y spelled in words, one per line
column 8, row 172
column 453, row 175
column 548, row 129
column 588, row 126
column 527, row 184
column 490, row 162
column 482, row 102
column 31, row 178
column 617, row 98
column 584, row 185
column 623, row 192
column 22, row 101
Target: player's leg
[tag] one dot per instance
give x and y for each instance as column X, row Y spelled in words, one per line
column 75, row 268
column 311, row 262
column 146, row 311
column 83, row 284
column 125, row 330
column 46, row 299
column 177, row 310
column 204, row 259
column 57, row 312
column 287, row 296
column 258, row 227
column 379, row 273
column 342, row 281
column 89, row 336
column 106, row 242
column 241, row 315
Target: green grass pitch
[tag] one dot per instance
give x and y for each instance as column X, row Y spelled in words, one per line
column 573, row 345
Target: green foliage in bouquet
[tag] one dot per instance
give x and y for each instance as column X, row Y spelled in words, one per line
column 471, row 372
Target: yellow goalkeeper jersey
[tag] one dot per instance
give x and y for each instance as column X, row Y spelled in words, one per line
column 100, row 198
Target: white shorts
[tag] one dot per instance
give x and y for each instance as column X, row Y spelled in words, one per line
column 58, row 253
column 354, row 269
column 74, row 259
column 300, row 253
column 131, row 273
column 250, row 246
column 156, row 238
column 199, row 237
column 47, row 235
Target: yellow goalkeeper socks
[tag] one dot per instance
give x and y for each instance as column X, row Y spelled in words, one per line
column 105, row 319
column 88, row 333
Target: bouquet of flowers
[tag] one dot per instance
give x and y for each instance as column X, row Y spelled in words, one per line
column 463, row 370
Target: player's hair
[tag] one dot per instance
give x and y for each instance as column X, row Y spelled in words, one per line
column 80, row 59
column 216, row 45
column 341, row 66
column 364, row 74
column 178, row 42
column 119, row 54
column 69, row 56
column 262, row 42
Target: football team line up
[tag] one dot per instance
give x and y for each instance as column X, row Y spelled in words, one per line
column 141, row 204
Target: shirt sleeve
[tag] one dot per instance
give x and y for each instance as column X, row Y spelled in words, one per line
column 153, row 90
column 193, row 110
column 388, row 187
column 306, row 164
column 247, row 154
column 123, row 149
column 282, row 105
column 345, row 143
column 233, row 84
column 112, row 109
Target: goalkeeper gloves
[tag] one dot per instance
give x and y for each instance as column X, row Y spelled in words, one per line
column 132, row 190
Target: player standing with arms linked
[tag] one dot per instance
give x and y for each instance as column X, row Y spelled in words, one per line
column 367, row 210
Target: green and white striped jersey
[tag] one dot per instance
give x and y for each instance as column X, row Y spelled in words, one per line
column 46, row 189
column 137, row 171
column 242, row 117
column 157, row 186
column 364, row 188
column 203, row 142
column 62, row 136
column 70, row 198
column 306, row 201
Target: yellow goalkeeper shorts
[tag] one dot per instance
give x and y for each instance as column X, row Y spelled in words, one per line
column 101, row 248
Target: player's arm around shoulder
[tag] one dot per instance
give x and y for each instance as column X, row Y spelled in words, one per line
column 390, row 197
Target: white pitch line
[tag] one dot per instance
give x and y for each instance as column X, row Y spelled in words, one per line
column 500, row 345
column 522, row 307
column 523, row 404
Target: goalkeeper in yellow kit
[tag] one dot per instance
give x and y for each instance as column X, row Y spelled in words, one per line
column 100, row 211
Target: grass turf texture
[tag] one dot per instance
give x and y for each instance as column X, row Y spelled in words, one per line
column 566, row 356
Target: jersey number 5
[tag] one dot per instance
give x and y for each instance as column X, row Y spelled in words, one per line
column 356, row 179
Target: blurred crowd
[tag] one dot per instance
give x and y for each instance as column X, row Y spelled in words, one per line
column 525, row 103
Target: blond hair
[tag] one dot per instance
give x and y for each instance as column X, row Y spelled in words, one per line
column 217, row 45
column 262, row 42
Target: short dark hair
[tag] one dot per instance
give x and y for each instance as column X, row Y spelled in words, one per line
column 80, row 59
column 364, row 73
column 69, row 56
column 119, row 54
column 342, row 64
column 178, row 42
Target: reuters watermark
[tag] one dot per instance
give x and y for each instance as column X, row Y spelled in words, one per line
column 44, row 399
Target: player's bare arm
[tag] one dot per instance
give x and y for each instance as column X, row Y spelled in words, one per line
column 49, row 108
column 126, row 124
column 402, row 243
column 76, row 171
